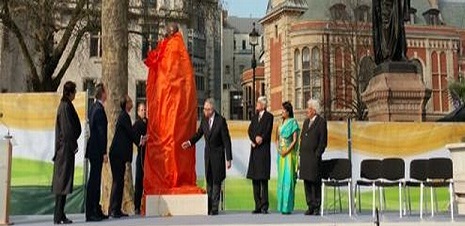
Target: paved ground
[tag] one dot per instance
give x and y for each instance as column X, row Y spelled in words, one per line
column 243, row 218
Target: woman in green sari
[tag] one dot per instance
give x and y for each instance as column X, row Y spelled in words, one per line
column 287, row 135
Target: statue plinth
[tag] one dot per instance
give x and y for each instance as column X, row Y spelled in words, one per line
column 396, row 93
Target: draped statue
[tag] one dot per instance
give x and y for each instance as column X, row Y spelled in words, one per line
column 389, row 41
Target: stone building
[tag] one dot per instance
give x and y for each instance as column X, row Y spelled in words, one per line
column 147, row 20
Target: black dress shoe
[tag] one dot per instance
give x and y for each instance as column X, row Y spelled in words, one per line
column 63, row 221
column 256, row 211
column 265, row 211
column 316, row 212
column 214, row 212
column 137, row 212
column 309, row 212
column 93, row 218
column 118, row 215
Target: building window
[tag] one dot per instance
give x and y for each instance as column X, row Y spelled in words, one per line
column 227, row 70
column 362, row 13
column 440, row 95
column 244, row 45
column 141, row 95
column 412, row 11
column 298, row 80
column 95, row 45
column 338, row 11
column 315, row 74
column 149, row 38
column 234, row 43
column 262, row 93
column 432, row 17
column 305, row 91
column 200, row 83
column 89, row 86
column 241, row 68
column 343, row 79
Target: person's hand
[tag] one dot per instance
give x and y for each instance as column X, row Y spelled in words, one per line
column 253, row 145
column 228, row 164
column 105, row 158
column 283, row 153
column 258, row 140
column 185, row 145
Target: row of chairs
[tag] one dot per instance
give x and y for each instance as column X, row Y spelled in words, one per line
column 389, row 172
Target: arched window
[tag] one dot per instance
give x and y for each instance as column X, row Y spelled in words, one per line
column 297, row 79
column 367, row 65
column 305, row 93
column 315, row 75
column 419, row 67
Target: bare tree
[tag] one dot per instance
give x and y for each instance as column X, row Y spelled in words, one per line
column 352, row 65
column 48, row 33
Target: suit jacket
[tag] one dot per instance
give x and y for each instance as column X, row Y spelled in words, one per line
column 140, row 129
column 121, row 145
column 260, row 156
column 67, row 132
column 97, row 143
column 313, row 142
column 217, row 145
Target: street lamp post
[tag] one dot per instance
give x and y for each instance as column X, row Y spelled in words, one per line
column 253, row 40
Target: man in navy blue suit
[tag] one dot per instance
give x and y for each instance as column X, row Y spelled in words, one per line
column 96, row 152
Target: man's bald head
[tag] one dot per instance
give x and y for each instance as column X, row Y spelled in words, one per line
column 171, row 29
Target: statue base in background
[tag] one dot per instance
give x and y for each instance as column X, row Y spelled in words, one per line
column 396, row 93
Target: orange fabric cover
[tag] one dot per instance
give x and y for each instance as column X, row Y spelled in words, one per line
column 172, row 114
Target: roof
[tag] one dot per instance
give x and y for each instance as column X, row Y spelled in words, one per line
column 243, row 25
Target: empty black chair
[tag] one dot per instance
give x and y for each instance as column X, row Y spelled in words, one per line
column 418, row 168
column 392, row 174
column 439, row 174
column 337, row 173
column 370, row 173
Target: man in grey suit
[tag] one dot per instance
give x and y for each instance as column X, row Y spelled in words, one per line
column 218, row 155
column 313, row 141
column 259, row 132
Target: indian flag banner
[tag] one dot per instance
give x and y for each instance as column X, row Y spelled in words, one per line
column 30, row 119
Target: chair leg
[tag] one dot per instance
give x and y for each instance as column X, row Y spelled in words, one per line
column 409, row 201
column 334, row 200
column 359, row 199
column 432, row 201
column 323, row 187
column 421, row 200
column 374, row 199
column 451, row 196
column 340, row 200
column 400, row 200
column 349, row 185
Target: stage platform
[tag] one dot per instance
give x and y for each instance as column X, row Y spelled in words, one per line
column 232, row 218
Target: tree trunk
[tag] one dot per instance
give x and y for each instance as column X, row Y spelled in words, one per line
column 115, row 77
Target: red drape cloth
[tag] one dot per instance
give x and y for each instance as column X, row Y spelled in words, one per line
column 172, row 113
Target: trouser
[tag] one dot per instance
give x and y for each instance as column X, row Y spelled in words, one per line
column 60, row 201
column 116, row 198
column 139, row 186
column 93, row 188
column 260, row 194
column 213, row 192
column 313, row 194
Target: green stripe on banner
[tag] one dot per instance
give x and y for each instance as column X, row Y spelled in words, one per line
column 36, row 200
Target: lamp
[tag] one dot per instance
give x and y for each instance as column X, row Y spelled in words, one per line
column 253, row 41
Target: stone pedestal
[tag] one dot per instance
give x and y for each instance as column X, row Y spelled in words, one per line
column 176, row 205
column 457, row 153
column 396, row 93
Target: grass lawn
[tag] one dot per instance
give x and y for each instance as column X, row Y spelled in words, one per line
column 26, row 172
column 238, row 196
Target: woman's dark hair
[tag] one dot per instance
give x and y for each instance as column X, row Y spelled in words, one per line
column 69, row 88
column 288, row 106
column 123, row 101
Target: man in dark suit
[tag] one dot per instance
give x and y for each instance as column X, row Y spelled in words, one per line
column 67, row 132
column 96, row 152
column 140, row 129
column 313, row 141
column 120, row 154
column 259, row 132
column 217, row 144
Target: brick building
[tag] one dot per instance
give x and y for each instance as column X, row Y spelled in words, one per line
column 307, row 56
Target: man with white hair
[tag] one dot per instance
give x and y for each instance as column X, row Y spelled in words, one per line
column 313, row 141
column 218, row 155
column 259, row 131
